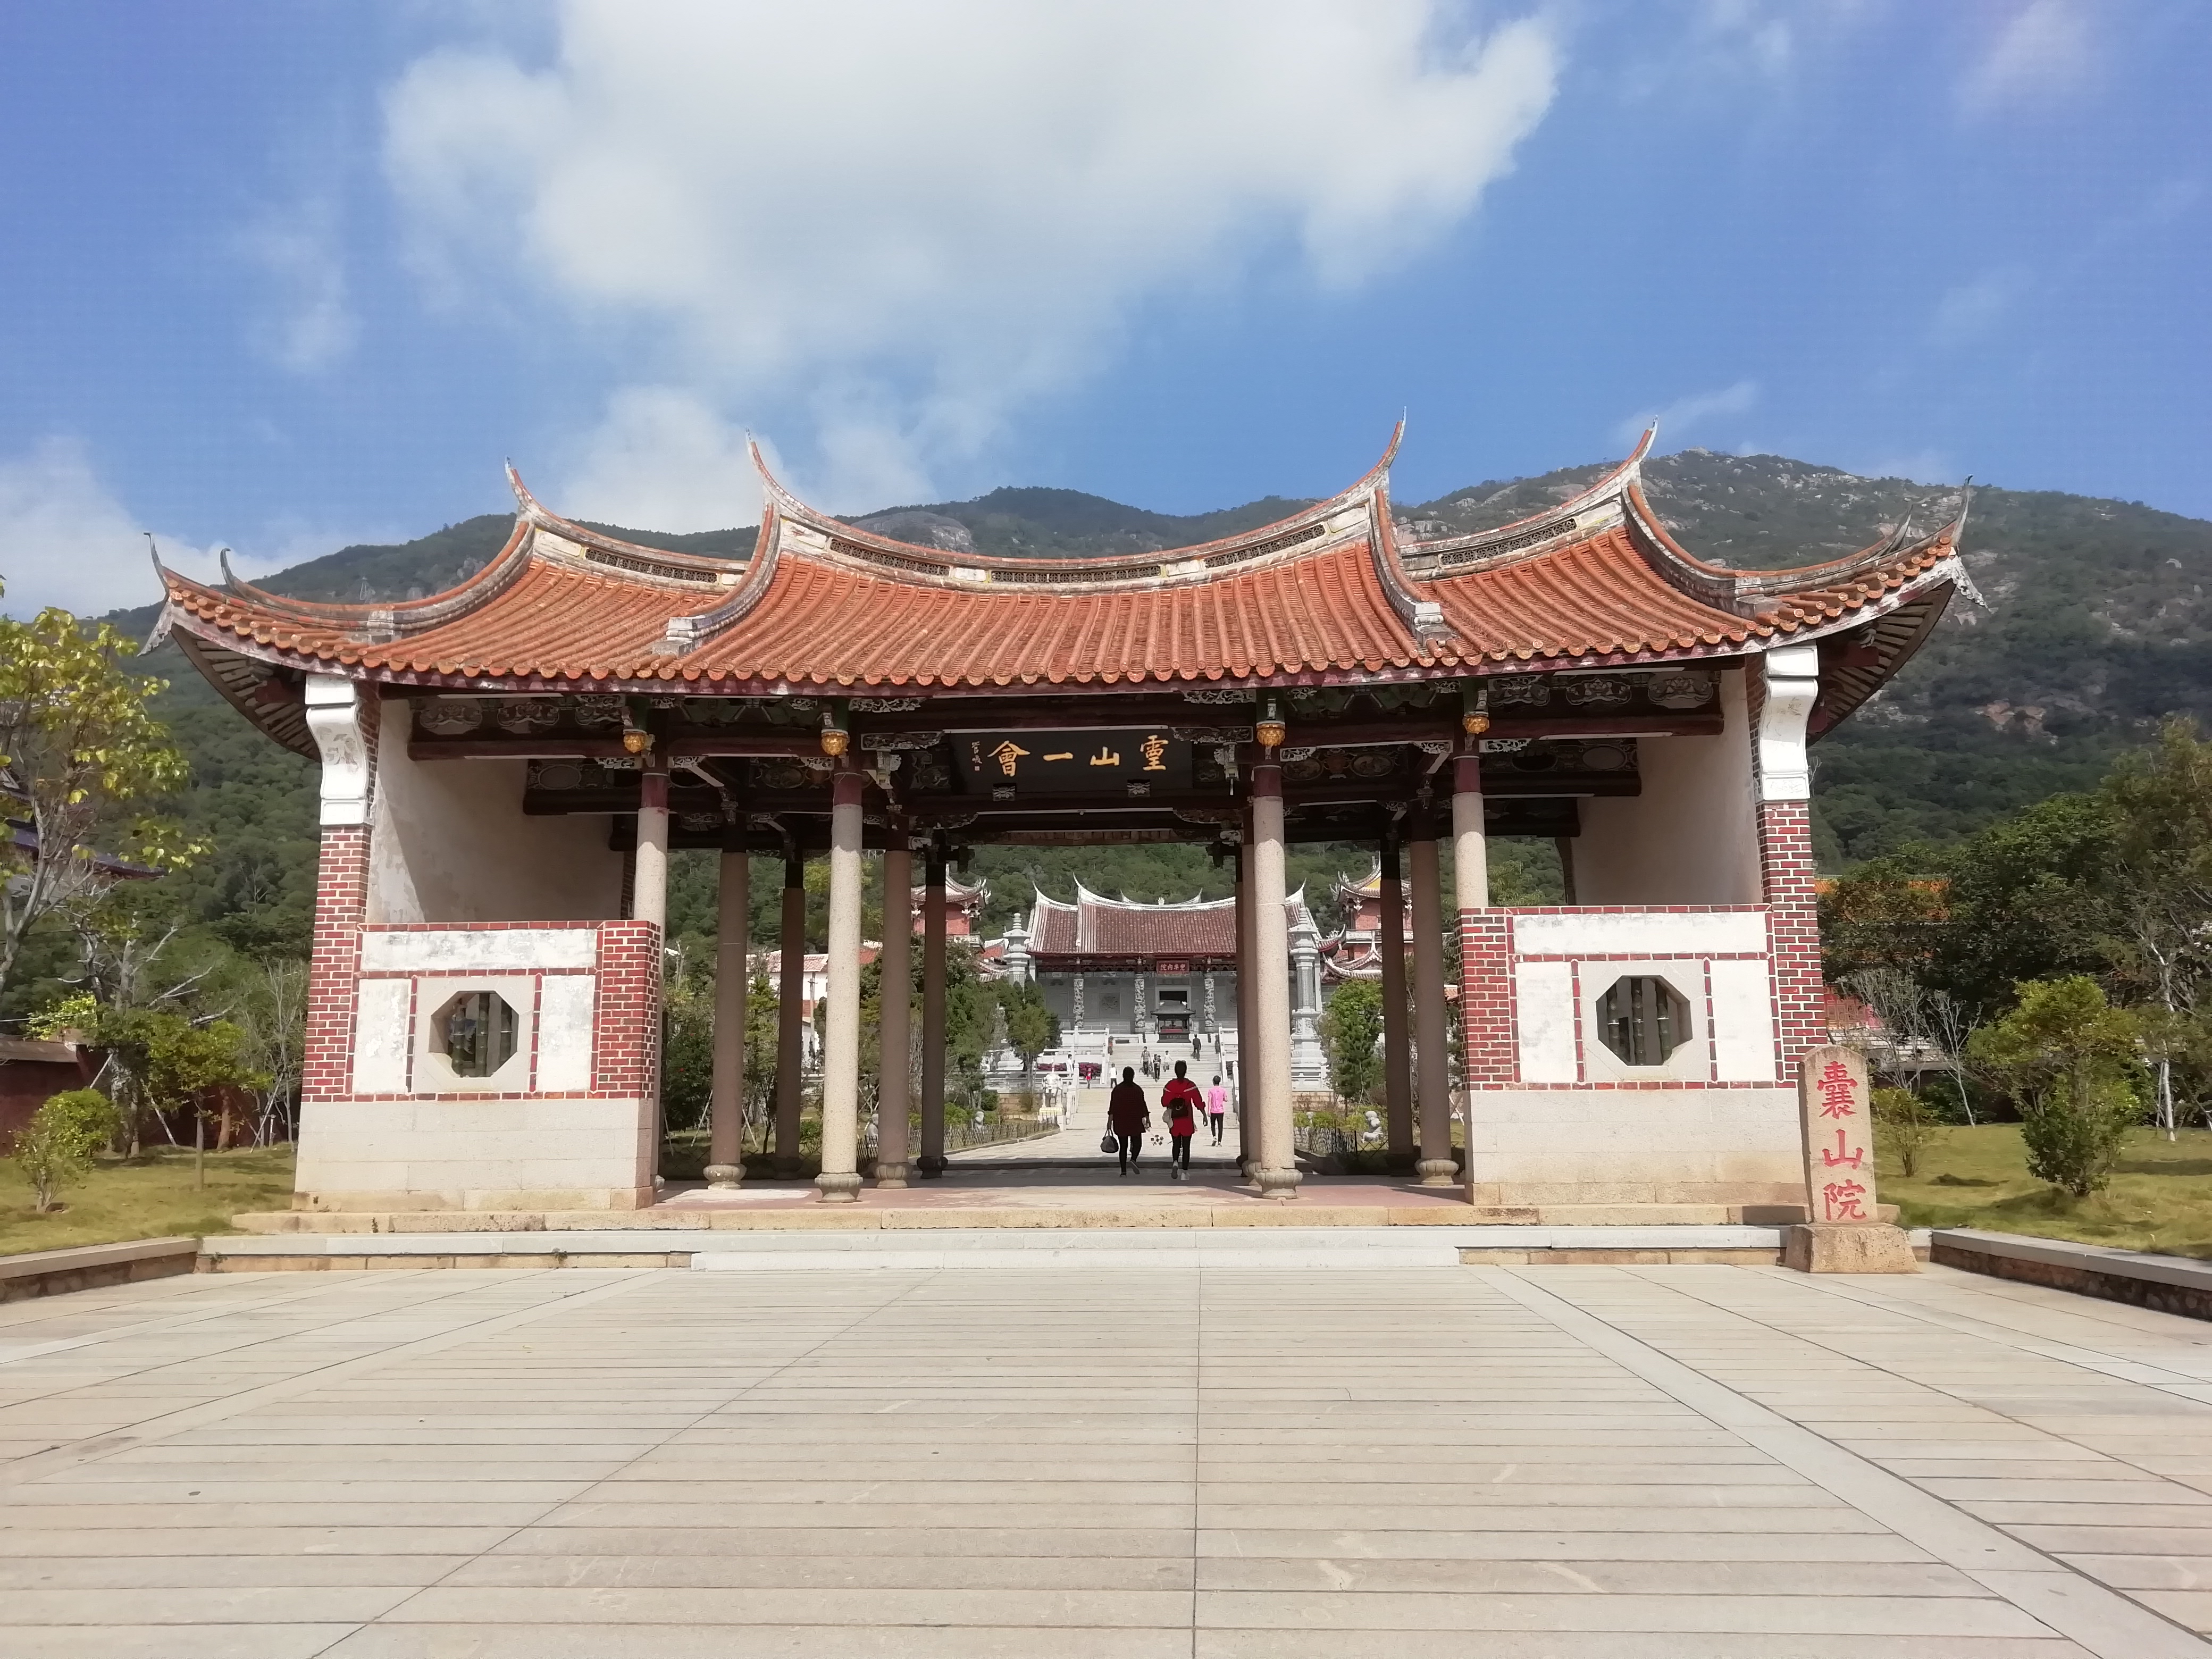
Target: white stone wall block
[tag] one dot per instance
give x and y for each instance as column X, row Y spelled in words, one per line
column 381, row 1044
column 1743, row 1021
column 1544, row 1009
column 565, row 1006
column 478, row 950
column 1640, row 933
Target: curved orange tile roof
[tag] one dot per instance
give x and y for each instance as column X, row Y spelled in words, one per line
column 822, row 605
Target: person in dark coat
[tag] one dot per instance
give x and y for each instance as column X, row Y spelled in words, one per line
column 1129, row 1116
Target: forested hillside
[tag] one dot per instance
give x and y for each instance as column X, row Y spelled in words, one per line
column 2097, row 624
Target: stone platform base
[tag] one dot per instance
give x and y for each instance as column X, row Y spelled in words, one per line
column 1841, row 1247
column 1337, row 1245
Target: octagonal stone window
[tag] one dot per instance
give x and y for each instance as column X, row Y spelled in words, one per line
column 1643, row 1019
column 476, row 1033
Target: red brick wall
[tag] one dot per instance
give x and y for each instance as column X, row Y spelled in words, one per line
column 1785, row 854
column 626, row 1030
column 1490, row 1048
column 341, row 902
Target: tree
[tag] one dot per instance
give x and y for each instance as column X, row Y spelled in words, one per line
column 273, row 1017
column 83, row 756
column 1351, row 1026
column 188, row 1065
column 2159, row 887
column 1031, row 1028
column 1904, row 1125
column 58, row 1143
column 2071, row 1060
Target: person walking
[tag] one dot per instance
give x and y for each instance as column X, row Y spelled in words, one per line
column 1180, row 1104
column 1129, row 1116
column 1217, row 1107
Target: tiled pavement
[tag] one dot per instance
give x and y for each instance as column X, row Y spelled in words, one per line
column 1707, row 1463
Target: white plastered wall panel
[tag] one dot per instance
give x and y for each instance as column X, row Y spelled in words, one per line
column 450, row 843
column 1692, row 835
column 1743, row 1020
column 566, row 1004
column 381, row 1048
column 489, row 1153
column 1544, row 1012
column 1650, row 933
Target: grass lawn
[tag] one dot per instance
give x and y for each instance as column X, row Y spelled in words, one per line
column 2160, row 1199
column 150, row 1196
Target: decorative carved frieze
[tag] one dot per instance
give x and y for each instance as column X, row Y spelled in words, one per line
column 1597, row 691
column 1526, row 691
column 1211, row 734
column 1219, row 697
column 1679, row 690
column 524, row 715
column 889, row 740
column 885, row 705
column 449, row 717
column 596, row 711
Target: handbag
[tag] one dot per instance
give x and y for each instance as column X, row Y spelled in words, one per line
column 1109, row 1143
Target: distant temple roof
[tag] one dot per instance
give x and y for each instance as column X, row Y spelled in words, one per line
column 1327, row 594
column 1095, row 925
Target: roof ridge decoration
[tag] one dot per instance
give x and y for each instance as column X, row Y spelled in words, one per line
column 1763, row 596
column 1310, row 529
column 1600, row 504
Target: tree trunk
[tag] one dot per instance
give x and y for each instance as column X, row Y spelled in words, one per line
column 199, row 1148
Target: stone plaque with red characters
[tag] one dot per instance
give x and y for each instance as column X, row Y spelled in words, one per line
column 1839, row 1109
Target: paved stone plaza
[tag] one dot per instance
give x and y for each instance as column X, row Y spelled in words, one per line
column 1113, row 1460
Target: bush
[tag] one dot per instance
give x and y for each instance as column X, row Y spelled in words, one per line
column 56, row 1146
column 1906, row 1125
column 2072, row 1060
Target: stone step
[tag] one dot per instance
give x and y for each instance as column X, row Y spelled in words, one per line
column 1302, row 1248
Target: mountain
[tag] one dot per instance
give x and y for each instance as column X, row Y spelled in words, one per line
column 2096, row 625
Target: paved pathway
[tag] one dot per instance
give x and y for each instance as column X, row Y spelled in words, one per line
column 1701, row 1462
column 1087, row 1124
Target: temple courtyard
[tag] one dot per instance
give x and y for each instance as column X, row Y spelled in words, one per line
column 1102, row 1457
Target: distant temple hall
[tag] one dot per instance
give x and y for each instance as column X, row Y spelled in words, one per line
column 506, row 765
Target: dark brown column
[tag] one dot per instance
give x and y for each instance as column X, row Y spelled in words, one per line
column 1397, row 1056
column 931, row 1161
column 791, row 994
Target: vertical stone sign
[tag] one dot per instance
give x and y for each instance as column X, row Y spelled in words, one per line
column 1838, row 1105
column 1845, row 1234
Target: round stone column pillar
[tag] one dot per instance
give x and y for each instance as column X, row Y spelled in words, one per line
column 932, row 1162
column 1397, row 1073
column 839, row 1180
column 1278, row 1174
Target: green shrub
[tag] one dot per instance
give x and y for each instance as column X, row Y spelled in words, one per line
column 2071, row 1060
column 56, row 1146
column 1906, row 1125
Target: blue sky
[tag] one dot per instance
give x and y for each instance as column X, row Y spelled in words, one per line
column 285, row 276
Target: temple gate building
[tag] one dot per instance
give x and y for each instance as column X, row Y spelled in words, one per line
column 1163, row 974
column 505, row 767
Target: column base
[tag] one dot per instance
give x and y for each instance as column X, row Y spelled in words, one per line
column 1848, row 1247
column 891, row 1175
column 932, row 1166
column 1277, row 1183
column 1438, row 1172
column 722, row 1177
column 839, row 1189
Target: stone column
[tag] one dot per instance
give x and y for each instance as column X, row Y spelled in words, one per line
column 897, row 964
column 1397, row 1054
column 931, row 1161
column 839, row 1180
column 726, row 1162
column 1432, row 1081
column 649, row 894
column 1471, row 876
column 790, row 1014
column 1246, row 1152
column 1278, row 1174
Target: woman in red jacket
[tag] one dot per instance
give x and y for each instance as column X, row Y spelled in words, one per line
column 1181, row 1102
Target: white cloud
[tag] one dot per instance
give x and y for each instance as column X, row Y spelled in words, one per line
column 2045, row 51
column 309, row 323
column 66, row 541
column 906, row 221
column 1685, row 414
column 1974, row 309
column 1928, row 466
